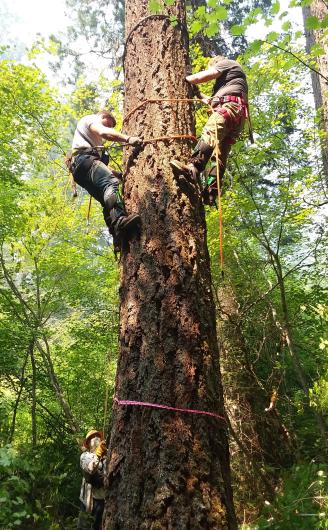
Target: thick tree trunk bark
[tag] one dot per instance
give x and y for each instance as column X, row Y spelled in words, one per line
column 318, row 9
column 168, row 470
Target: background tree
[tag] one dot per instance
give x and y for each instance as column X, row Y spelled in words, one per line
column 315, row 22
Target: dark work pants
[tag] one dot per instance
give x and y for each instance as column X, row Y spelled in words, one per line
column 100, row 182
column 94, row 519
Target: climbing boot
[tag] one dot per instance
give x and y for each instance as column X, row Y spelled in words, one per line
column 197, row 162
column 187, row 170
column 125, row 226
column 120, row 225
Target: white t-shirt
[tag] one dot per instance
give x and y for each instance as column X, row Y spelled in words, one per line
column 88, row 461
column 83, row 126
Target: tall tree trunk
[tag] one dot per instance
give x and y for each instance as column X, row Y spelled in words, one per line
column 318, row 8
column 33, row 405
column 18, row 397
column 168, row 469
column 261, row 443
column 46, row 356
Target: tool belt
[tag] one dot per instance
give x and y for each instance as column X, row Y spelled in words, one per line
column 98, row 152
column 83, row 158
column 227, row 99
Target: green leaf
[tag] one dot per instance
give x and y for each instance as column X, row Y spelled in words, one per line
column 212, row 30
column 237, row 30
column 196, row 26
column 275, row 8
column 169, row 2
column 312, row 23
column 174, row 21
column 212, row 3
column 221, row 13
column 154, row 7
column 317, row 50
column 324, row 22
column 255, row 46
column 286, row 25
column 272, row 36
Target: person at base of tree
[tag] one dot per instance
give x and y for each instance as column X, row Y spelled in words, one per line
column 89, row 167
column 229, row 110
column 92, row 494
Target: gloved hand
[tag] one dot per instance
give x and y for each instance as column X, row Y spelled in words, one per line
column 188, row 70
column 134, row 140
column 196, row 92
column 101, row 449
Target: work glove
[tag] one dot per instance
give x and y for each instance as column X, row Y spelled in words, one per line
column 188, row 70
column 196, row 92
column 134, row 141
column 101, row 449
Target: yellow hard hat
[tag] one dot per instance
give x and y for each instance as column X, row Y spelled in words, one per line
column 91, row 434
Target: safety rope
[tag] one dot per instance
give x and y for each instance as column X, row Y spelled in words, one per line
column 127, row 402
column 174, row 137
column 219, row 200
column 89, row 210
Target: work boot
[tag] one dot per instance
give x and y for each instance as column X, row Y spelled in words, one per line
column 120, row 225
column 197, row 162
column 188, row 170
column 125, row 225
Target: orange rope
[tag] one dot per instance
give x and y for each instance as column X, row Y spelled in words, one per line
column 174, row 137
column 219, row 200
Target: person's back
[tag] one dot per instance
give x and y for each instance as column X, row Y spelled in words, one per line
column 232, row 80
column 84, row 136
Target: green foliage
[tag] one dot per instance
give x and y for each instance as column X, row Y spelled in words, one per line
column 32, row 483
column 312, row 23
column 155, row 7
column 302, row 503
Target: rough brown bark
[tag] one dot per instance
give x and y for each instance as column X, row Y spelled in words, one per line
column 168, row 470
column 318, row 9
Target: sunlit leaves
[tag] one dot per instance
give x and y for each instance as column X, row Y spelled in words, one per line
column 312, row 22
column 154, row 7
column 275, row 8
column 272, row 36
column 237, row 30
